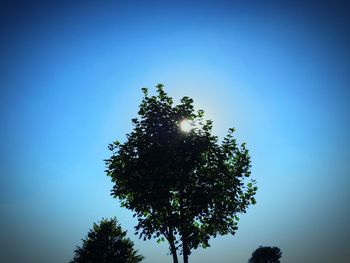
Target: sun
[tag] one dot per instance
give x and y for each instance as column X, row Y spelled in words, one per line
column 186, row 125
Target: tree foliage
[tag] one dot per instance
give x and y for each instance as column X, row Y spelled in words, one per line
column 106, row 242
column 266, row 255
column 184, row 187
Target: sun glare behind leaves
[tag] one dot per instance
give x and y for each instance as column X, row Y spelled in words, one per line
column 186, row 125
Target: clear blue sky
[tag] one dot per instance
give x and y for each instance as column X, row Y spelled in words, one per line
column 71, row 78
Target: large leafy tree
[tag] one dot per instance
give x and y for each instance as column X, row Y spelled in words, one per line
column 106, row 242
column 182, row 184
column 266, row 255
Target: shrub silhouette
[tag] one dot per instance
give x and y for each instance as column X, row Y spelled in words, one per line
column 266, row 255
column 106, row 242
column 181, row 183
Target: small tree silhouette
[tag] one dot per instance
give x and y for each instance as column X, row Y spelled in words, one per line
column 181, row 183
column 266, row 255
column 106, row 242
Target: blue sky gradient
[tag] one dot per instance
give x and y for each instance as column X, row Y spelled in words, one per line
column 71, row 79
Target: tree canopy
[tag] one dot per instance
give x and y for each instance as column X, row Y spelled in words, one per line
column 182, row 185
column 266, row 255
column 106, row 242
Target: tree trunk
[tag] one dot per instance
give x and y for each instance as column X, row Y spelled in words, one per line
column 172, row 245
column 184, row 250
column 185, row 257
column 173, row 252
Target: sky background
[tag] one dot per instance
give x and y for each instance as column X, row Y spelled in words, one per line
column 70, row 81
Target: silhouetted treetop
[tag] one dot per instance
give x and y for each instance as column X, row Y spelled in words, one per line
column 106, row 242
column 266, row 255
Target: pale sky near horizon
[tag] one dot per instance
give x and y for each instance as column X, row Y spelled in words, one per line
column 71, row 79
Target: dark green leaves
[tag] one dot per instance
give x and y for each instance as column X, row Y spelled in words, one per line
column 184, row 187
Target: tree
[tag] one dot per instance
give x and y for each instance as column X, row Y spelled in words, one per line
column 106, row 242
column 182, row 185
column 266, row 255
